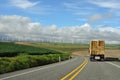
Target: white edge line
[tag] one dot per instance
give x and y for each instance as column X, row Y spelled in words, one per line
column 113, row 64
column 34, row 70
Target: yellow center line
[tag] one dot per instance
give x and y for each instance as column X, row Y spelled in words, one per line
column 78, row 71
column 73, row 71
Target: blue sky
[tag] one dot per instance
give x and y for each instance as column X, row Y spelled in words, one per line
column 65, row 12
column 64, row 19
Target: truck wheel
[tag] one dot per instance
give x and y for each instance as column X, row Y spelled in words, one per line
column 91, row 59
column 102, row 59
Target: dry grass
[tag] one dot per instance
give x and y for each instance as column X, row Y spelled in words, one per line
column 81, row 53
column 24, row 43
column 76, row 50
column 112, row 53
column 108, row 53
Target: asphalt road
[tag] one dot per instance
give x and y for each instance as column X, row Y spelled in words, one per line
column 79, row 68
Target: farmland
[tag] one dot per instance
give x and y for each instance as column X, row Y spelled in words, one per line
column 68, row 47
column 62, row 47
column 111, row 50
column 16, row 56
column 9, row 49
column 20, row 55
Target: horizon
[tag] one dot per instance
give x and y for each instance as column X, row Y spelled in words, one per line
column 60, row 21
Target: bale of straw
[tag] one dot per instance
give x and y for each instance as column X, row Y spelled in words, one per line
column 97, row 47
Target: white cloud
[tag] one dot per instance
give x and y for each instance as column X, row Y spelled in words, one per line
column 23, row 29
column 86, row 7
column 97, row 17
column 77, row 5
column 13, row 23
column 77, row 8
column 71, row 5
column 112, row 4
column 29, row 6
column 24, row 4
column 110, row 29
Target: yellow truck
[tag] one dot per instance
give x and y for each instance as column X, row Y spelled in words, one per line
column 97, row 50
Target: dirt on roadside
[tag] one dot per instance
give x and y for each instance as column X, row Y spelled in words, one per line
column 108, row 53
column 24, row 43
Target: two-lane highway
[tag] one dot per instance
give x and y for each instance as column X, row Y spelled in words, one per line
column 100, row 71
column 79, row 68
column 71, row 75
column 49, row 72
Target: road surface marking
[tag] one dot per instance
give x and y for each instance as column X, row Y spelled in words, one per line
column 74, row 70
column 45, row 67
column 78, row 71
column 113, row 64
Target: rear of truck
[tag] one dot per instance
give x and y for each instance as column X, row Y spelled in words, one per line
column 97, row 50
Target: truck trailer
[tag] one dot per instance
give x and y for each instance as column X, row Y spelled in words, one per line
column 97, row 50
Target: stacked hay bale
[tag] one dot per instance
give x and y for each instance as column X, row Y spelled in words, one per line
column 101, row 47
column 97, row 47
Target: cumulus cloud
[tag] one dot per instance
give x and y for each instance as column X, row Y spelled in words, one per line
column 24, row 4
column 18, row 28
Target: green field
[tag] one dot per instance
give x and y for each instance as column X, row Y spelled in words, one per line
column 68, row 47
column 16, row 56
column 62, row 47
column 9, row 49
column 108, row 46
